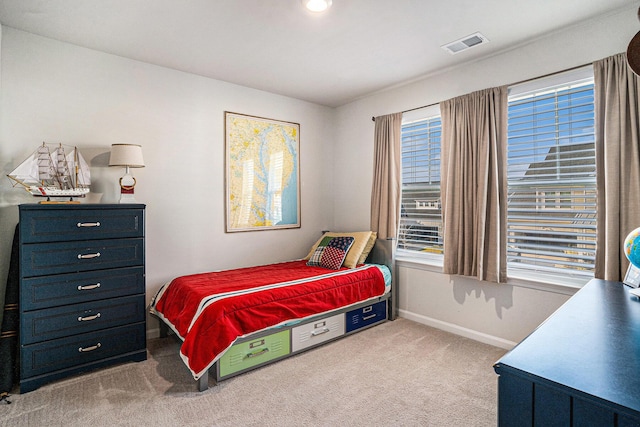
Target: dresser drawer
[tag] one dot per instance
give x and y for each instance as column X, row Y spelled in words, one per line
column 40, row 259
column 71, row 288
column 366, row 316
column 317, row 332
column 74, row 319
column 252, row 353
column 49, row 356
column 57, row 225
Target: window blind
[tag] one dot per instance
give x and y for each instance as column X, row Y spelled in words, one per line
column 551, row 176
column 420, row 227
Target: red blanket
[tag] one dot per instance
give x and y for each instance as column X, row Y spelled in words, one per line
column 210, row 311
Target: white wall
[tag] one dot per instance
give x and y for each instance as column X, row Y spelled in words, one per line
column 58, row 92
column 498, row 314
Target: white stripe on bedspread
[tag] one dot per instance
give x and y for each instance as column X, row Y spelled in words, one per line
column 207, row 301
column 386, row 272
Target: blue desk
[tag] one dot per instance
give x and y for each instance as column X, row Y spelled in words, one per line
column 581, row 367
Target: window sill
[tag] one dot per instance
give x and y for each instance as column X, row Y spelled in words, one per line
column 549, row 283
column 421, row 262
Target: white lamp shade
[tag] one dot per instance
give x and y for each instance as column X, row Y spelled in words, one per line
column 126, row 155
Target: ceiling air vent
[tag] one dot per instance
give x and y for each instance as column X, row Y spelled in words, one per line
column 465, row 43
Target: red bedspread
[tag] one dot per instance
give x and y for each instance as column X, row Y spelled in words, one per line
column 210, row 311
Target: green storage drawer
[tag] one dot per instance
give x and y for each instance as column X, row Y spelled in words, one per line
column 245, row 355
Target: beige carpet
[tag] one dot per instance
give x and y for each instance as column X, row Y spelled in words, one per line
column 396, row 374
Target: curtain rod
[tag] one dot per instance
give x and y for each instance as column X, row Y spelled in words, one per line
column 413, row 109
column 512, row 84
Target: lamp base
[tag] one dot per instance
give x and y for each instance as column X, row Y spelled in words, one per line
column 127, row 183
column 127, row 198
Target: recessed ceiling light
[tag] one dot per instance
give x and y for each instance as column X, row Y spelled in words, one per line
column 317, row 5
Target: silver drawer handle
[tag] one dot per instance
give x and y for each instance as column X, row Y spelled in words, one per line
column 87, row 318
column 257, row 353
column 88, row 287
column 89, row 256
column 93, row 347
column 369, row 317
column 88, row 224
column 320, row 332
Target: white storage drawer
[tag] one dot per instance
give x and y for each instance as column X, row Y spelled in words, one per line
column 317, row 332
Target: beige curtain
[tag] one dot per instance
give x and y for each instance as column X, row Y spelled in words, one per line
column 473, row 184
column 385, row 194
column 617, row 162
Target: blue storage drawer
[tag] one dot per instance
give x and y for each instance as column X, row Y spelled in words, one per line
column 59, row 224
column 62, row 289
column 365, row 316
column 57, row 322
column 66, row 257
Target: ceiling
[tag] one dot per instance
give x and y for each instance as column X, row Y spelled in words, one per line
column 355, row 48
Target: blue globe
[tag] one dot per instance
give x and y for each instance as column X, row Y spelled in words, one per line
column 632, row 247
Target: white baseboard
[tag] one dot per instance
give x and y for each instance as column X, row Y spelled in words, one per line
column 458, row 330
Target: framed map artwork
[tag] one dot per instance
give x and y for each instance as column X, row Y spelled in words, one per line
column 262, row 173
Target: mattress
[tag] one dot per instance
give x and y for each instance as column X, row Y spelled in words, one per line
column 210, row 311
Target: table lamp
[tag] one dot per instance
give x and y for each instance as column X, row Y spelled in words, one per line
column 129, row 156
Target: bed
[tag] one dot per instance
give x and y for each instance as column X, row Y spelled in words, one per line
column 237, row 320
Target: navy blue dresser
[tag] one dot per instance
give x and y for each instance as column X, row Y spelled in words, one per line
column 82, row 289
column 581, row 367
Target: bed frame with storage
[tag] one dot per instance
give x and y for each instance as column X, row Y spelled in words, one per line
column 274, row 344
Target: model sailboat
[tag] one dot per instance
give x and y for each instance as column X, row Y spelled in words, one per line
column 52, row 172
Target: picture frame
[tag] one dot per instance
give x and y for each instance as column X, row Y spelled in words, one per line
column 632, row 277
column 262, row 173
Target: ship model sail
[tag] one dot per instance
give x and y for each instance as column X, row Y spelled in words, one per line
column 53, row 172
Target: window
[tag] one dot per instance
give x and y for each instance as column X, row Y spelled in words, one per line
column 551, row 180
column 420, row 228
column 551, row 174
